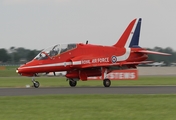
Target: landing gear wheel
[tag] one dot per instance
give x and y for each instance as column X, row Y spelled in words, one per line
column 106, row 82
column 36, row 84
column 72, row 83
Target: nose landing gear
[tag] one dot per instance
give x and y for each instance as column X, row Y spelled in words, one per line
column 36, row 84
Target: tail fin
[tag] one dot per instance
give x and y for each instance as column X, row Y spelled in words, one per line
column 135, row 39
column 130, row 37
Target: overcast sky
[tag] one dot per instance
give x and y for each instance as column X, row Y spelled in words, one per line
column 37, row 24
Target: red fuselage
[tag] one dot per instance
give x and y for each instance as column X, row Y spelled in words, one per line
column 85, row 58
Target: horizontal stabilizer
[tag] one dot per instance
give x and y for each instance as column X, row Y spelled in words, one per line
column 152, row 52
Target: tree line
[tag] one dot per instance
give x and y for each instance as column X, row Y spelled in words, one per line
column 21, row 55
column 17, row 55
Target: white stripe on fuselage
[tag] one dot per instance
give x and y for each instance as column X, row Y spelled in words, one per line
column 48, row 65
column 124, row 56
column 76, row 62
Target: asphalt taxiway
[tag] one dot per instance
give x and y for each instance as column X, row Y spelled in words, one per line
column 88, row 90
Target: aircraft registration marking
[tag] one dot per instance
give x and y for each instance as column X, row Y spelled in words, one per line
column 95, row 60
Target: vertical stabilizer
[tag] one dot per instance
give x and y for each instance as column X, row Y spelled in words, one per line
column 123, row 39
column 135, row 39
column 130, row 37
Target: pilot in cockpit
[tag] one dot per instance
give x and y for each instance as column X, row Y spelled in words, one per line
column 54, row 51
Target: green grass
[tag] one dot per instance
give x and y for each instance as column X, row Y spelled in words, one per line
column 61, row 81
column 89, row 107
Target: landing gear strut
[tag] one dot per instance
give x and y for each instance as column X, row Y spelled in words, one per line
column 72, row 82
column 35, row 83
column 106, row 82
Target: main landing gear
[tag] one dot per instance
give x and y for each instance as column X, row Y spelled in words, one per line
column 106, row 82
column 72, row 82
column 36, row 84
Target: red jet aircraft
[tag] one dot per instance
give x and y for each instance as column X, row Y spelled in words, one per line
column 86, row 60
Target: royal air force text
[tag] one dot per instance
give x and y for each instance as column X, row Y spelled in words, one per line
column 96, row 60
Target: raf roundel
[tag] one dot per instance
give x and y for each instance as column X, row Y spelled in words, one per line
column 114, row 59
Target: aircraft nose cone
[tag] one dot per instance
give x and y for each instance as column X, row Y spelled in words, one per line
column 24, row 71
column 17, row 70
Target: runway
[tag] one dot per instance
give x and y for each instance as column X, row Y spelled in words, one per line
column 88, row 90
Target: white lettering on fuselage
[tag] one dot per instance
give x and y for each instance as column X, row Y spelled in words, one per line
column 85, row 61
column 100, row 60
column 95, row 60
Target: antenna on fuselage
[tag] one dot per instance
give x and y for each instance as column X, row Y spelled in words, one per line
column 87, row 42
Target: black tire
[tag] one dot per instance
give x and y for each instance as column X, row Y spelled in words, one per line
column 36, row 84
column 72, row 83
column 106, row 82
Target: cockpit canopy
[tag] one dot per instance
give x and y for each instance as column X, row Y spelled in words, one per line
column 54, row 50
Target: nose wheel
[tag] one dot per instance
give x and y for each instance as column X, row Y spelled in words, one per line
column 36, row 84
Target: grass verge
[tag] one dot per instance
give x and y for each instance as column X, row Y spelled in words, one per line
column 89, row 107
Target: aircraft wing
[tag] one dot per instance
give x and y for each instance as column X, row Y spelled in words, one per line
column 134, row 63
column 152, row 52
column 115, row 64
